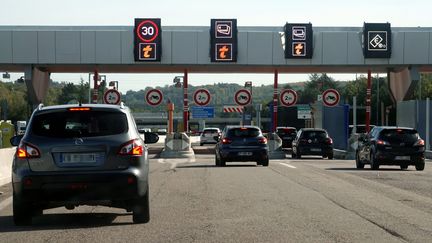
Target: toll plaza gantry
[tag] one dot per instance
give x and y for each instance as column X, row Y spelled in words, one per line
column 221, row 47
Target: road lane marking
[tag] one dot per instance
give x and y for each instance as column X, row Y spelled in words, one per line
column 287, row 165
column 5, row 203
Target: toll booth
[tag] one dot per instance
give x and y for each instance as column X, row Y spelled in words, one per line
column 8, row 131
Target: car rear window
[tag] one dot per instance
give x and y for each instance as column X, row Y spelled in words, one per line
column 66, row 124
column 207, row 131
column 399, row 135
column 286, row 131
column 314, row 134
column 243, row 132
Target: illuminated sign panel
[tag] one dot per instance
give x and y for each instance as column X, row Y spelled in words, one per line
column 377, row 40
column 223, row 40
column 147, row 40
column 298, row 41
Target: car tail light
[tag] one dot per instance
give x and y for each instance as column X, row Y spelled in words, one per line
column 262, row 140
column 226, row 141
column 27, row 151
column 419, row 142
column 382, row 142
column 133, row 147
column 329, row 141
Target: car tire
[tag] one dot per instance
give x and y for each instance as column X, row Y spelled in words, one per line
column 22, row 212
column 293, row 155
column 222, row 162
column 201, row 144
column 298, row 155
column 359, row 164
column 141, row 210
column 330, row 156
column 265, row 162
column 404, row 167
column 217, row 161
column 420, row 165
column 374, row 163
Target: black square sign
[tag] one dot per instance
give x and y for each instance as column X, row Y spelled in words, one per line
column 223, row 40
column 377, row 40
column 298, row 41
column 147, row 40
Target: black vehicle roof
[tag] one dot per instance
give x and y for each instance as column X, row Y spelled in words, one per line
column 313, row 129
column 394, row 127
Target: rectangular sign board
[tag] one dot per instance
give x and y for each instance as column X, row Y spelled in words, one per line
column 223, row 40
column 203, row 112
column 147, row 40
column 377, row 40
column 298, row 41
column 304, row 112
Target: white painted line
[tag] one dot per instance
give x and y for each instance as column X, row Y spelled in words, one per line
column 287, row 165
column 5, row 203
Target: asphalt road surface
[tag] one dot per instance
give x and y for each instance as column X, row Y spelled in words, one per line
column 308, row 200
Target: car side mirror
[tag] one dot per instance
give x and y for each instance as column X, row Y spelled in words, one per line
column 151, row 137
column 15, row 140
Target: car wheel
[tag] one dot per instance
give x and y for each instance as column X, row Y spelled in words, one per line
column 293, row 155
column 420, row 165
column 201, row 144
column 298, row 155
column 404, row 167
column 359, row 164
column 265, row 162
column 22, row 212
column 217, row 161
column 374, row 163
column 141, row 209
column 222, row 162
column 330, row 156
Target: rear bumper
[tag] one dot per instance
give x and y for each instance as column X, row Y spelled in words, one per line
column 258, row 154
column 79, row 188
column 323, row 150
column 391, row 158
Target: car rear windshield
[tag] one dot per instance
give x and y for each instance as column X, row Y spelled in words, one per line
column 399, row 135
column 314, row 134
column 243, row 132
column 286, row 131
column 207, row 131
column 66, row 124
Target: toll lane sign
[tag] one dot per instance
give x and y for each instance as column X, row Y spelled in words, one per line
column 223, row 40
column 298, row 41
column 148, row 40
column 377, row 40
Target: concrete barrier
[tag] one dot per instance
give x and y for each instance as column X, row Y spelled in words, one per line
column 428, row 154
column 275, row 146
column 6, row 157
column 177, row 145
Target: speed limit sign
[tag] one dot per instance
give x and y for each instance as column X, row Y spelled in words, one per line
column 288, row 97
column 112, row 97
column 202, row 97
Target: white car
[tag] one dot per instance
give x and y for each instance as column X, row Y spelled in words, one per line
column 208, row 134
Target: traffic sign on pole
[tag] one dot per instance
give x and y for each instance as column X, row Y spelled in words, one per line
column 112, row 97
column 243, row 97
column 154, row 97
column 202, row 97
column 288, row 97
column 330, row 97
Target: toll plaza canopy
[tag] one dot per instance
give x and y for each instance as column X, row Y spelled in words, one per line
column 293, row 48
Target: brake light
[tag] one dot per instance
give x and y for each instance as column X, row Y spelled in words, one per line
column 27, row 151
column 262, row 140
column 419, row 142
column 243, row 128
column 226, row 141
column 381, row 142
column 133, row 147
column 329, row 141
column 79, row 109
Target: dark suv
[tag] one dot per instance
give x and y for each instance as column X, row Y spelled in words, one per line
column 312, row 141
column 391, row 146
column 73, row 155
column 241, row 143
column 287, row 134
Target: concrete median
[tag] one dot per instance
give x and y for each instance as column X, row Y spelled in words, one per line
column 6, row 157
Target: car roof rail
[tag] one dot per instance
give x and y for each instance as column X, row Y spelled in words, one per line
column 40, row 106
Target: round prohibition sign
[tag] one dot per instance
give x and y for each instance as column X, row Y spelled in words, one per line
column 330, row 97
column 288, row 97
column 202, row 97
column 147, row 31
column 154, row 97
column 112, row 97
column 243, row 97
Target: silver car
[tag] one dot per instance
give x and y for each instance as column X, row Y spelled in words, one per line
column 73, row 155
column 208, row 135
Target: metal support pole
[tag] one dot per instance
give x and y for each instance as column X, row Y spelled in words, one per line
column 354, row 115
column 258, row 115
column 427, row 122
column 185, row 102
column 275, row 100
column 95, row 87
column 368, row 101
column 377, row 101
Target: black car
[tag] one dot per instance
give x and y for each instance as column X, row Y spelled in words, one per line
column 312, row 141
column 287, row 134
column 241, row 143
column 391, row 146
column 73, row 155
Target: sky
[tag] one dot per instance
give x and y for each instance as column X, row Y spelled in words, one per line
column 400, row 13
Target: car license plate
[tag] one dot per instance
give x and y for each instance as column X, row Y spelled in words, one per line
column 244, row 153
column 402, row 158
column 286, row 138
column 315, row 150
column 79, row 158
